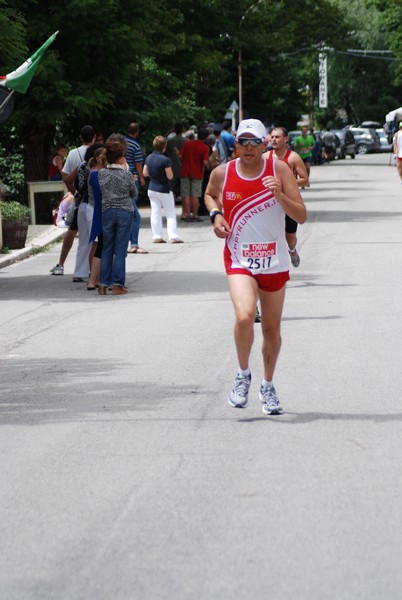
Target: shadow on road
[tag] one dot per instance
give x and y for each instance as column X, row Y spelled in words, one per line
column 307, row 418
column 39, row 392
column 152, row 283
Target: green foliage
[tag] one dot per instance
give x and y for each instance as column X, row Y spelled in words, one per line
column 12, row 167
column 12, row 36
column 359, row 87
column 161, row 61
column 391, row 19
column 14, row 210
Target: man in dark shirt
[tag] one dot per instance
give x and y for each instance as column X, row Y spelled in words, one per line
column 135, row 161
column 173, row 147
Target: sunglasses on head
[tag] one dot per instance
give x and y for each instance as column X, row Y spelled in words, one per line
column 243, row 141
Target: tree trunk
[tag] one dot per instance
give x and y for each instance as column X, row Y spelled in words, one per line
column 37, row 143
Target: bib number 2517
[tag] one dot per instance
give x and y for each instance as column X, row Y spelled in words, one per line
column 259, row 257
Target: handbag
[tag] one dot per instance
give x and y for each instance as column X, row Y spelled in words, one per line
column 69, row 216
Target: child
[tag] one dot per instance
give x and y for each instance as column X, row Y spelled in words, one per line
column 62, row 209
column 56, row 166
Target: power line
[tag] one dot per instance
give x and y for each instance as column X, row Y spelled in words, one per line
column 349, row 52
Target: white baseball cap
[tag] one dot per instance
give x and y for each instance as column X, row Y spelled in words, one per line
column 253, row 126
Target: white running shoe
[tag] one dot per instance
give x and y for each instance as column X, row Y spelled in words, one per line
column 238, row 396
column 270, row 401
column 294, row 257
column 57, row 270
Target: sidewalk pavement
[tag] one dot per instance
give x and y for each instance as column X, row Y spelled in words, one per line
column 38, row 237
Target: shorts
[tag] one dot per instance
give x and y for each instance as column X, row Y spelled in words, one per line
column 190, row 187
column 290, row 225
column 266, row 282
column 307, row 159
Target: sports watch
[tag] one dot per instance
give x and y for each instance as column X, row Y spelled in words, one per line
column 213, row 213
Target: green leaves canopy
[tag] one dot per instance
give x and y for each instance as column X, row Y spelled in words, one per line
column 161, row 61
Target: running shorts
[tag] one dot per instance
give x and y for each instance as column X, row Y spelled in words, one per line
column 266, row 282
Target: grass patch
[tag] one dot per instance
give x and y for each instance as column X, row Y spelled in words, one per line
column 39, row 249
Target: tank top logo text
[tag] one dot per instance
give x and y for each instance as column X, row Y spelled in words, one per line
column 234, row 196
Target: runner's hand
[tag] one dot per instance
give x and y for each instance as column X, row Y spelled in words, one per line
column 273, row 184
column 221, row 227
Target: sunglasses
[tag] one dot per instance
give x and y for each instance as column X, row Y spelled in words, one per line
column 253, row 141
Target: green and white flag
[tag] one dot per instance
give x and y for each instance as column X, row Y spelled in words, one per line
column 20, row 79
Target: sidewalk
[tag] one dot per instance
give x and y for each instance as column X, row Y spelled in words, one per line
column 38, row 237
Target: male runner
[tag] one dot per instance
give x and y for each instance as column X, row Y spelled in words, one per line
column 248, row 199
column 304, row 145
column 279, row 139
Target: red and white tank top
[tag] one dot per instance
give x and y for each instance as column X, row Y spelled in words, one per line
column 285, row 159
column 257, row 221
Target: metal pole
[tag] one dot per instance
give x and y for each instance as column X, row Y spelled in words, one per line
column 240, row 85
column 6, row 99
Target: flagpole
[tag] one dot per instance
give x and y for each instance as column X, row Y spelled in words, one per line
column 7, row 99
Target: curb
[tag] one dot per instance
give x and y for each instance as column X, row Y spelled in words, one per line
column 50, row 237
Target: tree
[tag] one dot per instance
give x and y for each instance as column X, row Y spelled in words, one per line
column 360, row 86
column 161, row 61
column 12, row 36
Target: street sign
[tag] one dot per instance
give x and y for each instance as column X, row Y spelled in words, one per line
column 232, row 110
column 231, row 113
column 322, row 72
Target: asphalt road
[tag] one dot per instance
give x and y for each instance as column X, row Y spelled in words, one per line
column 124, row 473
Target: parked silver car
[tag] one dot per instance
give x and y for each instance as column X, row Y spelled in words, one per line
column 367, row 140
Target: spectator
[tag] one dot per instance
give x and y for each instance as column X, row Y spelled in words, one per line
column 62, row 210
column 85, row 250
column 95, row 199
column 173, row 147
column 228, row 138
column 195, row 158
column 158, row 169
column 118, row 192
column 135, row 161
column 74, row 159
column 56, row 165
column 220, row 151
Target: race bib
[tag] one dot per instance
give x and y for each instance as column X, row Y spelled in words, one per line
column 259, row 257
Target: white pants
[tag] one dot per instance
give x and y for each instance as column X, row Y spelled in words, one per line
column 166, row 201
column 84, row 220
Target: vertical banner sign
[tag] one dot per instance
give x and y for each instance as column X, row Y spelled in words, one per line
column 322, row 71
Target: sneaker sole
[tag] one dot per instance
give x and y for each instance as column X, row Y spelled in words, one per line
column 274, row 411
column 236, row 405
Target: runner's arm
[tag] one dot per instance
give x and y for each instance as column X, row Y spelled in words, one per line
column 213, row 200
column 302, row 176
